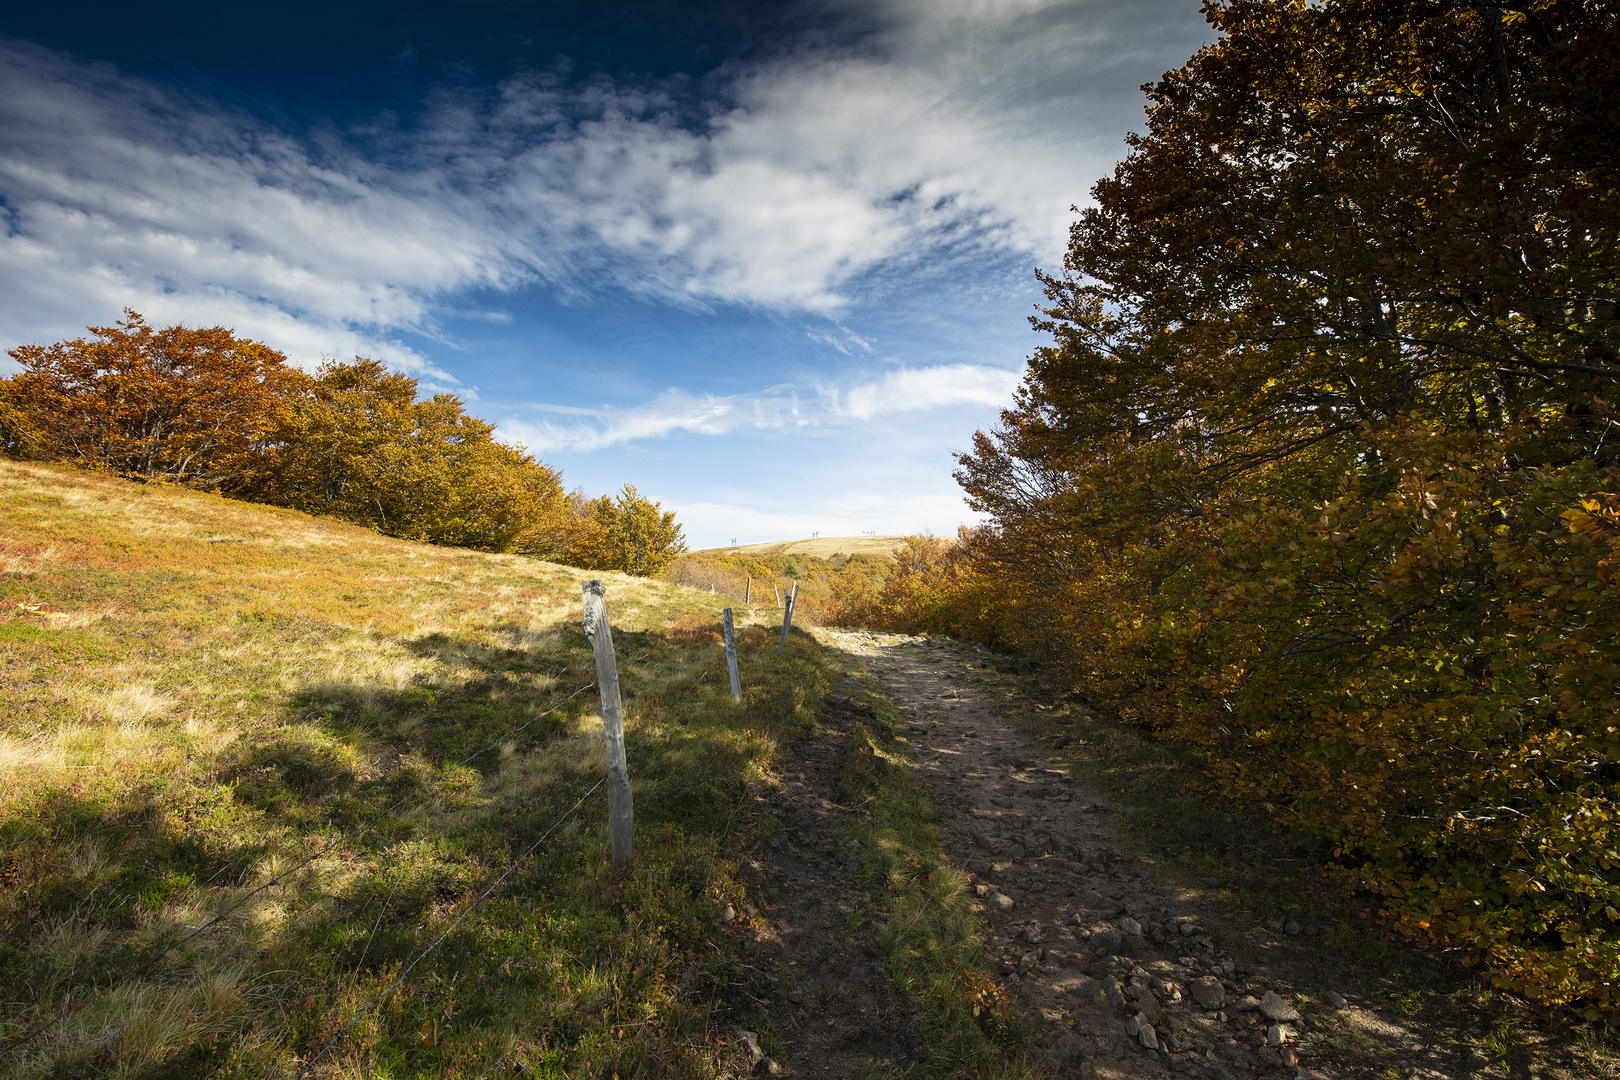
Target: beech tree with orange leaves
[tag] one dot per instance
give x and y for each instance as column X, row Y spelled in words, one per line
column 190, row 406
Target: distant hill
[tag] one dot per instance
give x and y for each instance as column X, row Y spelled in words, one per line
column 823, row 547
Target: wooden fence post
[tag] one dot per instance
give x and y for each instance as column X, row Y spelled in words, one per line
column 621, row 815
column 748, row 591
column 731, row 658
column 787, row 617
column 777, row 593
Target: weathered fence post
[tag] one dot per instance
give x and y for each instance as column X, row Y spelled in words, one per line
column 777, row 593
column 787, row 617
column 621, row 815
column 748, row 591
column 731, row 658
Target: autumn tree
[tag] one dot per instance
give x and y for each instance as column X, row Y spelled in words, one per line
column 1316, row 473
column 360, row 444
column 933, row 586
column 191, row 406
column 631, row 534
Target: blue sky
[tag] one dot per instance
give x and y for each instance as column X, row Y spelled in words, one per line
column 769, row 262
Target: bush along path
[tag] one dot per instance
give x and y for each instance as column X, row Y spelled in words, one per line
column 1115, row 970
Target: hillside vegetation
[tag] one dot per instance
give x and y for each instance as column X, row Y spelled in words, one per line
column 819, row 547
column 1317, row 470
column 209, row 410
column 764, row 578
column 334, row 743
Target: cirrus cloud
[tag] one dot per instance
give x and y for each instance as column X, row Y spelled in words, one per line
column 955, row 130
column 552, row 428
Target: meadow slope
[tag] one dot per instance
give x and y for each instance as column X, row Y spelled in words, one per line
column 333, row 742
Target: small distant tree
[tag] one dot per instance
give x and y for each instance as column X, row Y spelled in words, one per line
column 642, row 537
column 631, row 534
column 359, row 444
column 192, row 406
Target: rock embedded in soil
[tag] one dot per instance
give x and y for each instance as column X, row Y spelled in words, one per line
column 750, row 1041
column 1277, row 1009
column 1208, row 992
column 1049, row 858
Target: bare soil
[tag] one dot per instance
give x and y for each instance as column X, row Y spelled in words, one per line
column 832, row 1011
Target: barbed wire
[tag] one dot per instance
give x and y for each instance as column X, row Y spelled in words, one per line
column 486, row 893
column 18, row 1042
column 448, row 930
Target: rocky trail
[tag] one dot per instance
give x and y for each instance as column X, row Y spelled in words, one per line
column 1123, row 974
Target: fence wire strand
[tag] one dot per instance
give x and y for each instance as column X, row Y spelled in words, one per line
column 310, row 1064
column 17, row 1043
column 487, row 892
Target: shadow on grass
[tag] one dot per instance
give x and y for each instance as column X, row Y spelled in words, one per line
column 571, row 960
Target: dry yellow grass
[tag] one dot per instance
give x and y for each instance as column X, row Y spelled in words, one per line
column 198, row 692
column 823, row 547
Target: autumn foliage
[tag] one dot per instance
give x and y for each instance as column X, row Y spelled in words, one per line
column 1319, row 473
column 209, row 409
column 631, row 534
column 360, row 444
column 934, row 587
column 191, row 406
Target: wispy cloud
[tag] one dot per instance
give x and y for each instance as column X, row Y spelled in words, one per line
column 912, row 389
column 779, row 408
column 964, row 127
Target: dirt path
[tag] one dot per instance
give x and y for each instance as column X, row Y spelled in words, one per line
column 1123, row 976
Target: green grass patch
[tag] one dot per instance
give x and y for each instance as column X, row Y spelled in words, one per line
column 203, row 694
column 926, row 923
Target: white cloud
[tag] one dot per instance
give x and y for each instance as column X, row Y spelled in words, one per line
column 911, row 389
column 779, row 408
column 117, row 192
column 965, row 127
column 888, row 513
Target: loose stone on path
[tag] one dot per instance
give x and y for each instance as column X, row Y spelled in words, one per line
column 1121, row 981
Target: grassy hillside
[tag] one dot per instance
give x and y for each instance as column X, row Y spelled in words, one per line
column 828, row 547
column 200, row 695
column 817, row 567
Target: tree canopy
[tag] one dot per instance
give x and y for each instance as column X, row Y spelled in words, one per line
column 631, row 534
column 355, row 440
column 1318, row 472
column 360, row 444
column 180, row 404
